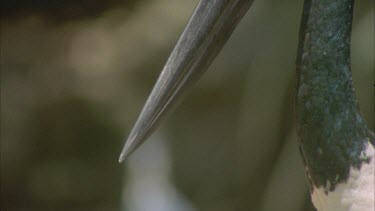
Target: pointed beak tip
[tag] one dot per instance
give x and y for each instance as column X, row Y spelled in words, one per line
column 124, row 154
column 121, row 159
column 187, row 63
column 127, row 150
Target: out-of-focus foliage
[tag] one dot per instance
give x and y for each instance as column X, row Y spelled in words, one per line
column 75, row 76
column 62, row 11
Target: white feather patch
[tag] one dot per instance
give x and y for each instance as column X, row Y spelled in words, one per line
column 357, row 194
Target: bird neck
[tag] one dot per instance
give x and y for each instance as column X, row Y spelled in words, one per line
column 331, row 130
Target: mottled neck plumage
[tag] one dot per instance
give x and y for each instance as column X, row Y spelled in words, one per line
column 331, row 130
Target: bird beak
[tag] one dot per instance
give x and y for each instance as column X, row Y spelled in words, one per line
column 207, row 31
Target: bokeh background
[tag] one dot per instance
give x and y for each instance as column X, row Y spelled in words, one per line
column 74, row 77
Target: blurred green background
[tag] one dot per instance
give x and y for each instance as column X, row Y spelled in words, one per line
column 75, row 75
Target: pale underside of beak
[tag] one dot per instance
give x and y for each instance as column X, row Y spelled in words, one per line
column 210, row 26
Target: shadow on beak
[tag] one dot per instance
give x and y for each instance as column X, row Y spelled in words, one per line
column 210, row 26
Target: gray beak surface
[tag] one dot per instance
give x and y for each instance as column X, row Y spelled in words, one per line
column 210, row 26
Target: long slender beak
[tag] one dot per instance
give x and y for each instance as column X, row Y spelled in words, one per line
column 210, row 26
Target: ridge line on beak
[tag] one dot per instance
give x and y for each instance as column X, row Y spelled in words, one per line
column 208, row 29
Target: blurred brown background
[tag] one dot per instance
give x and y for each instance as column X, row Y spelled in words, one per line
column 74, row 77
